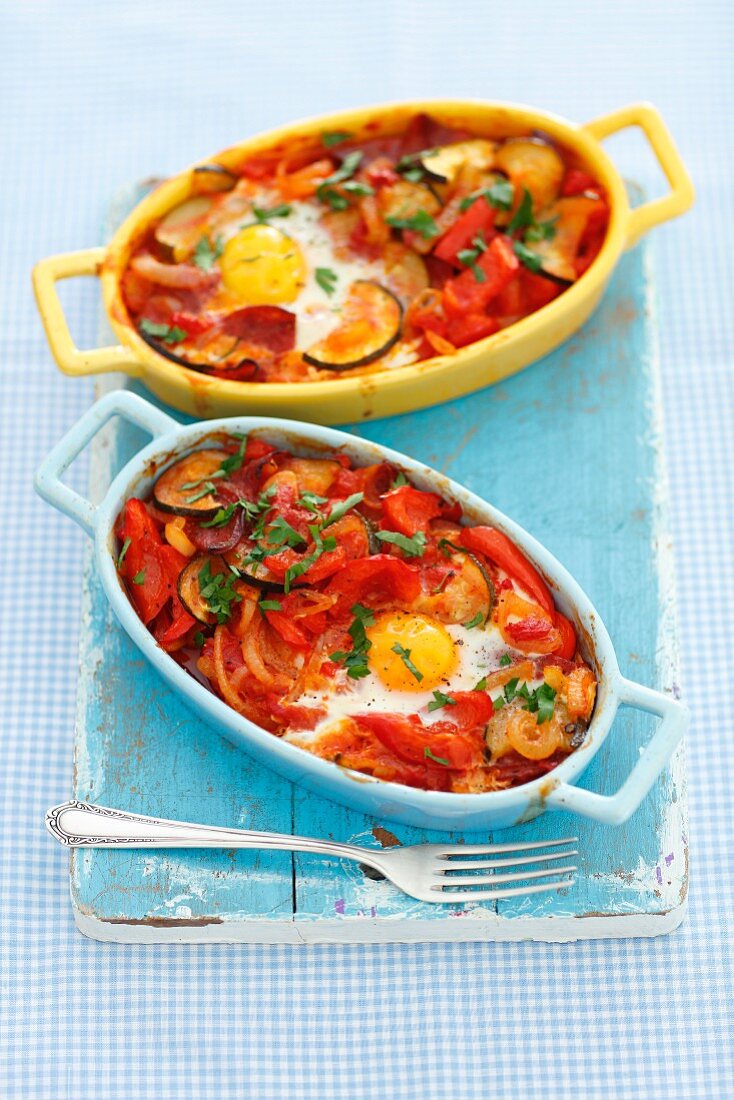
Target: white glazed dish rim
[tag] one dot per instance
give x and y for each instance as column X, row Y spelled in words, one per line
column 554, row 790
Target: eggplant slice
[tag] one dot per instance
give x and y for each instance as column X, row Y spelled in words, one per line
column 558, row 255
column 533, row 164
column 468, row 592
column 189, row 586
column 210, row 179
column 182, row 225
column 371, row 323
column 444, row 164
column 181, row 489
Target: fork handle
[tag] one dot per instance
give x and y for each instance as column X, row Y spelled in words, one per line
column 82, row 825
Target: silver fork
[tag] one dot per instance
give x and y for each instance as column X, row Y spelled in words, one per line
column 429, row 872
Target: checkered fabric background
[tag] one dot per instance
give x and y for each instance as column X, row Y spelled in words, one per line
column 95, row 95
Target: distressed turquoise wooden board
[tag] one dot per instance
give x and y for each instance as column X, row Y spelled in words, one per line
column 570, row 448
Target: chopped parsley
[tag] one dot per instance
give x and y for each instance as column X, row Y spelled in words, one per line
column 205, row 255
column 541, row 231
column 327, row 279
column 481, row 685
column 414, row 545
column 270, row 605
column 123, row 552
column 206, row 490
column 217, row 591
column 404, row 655
column 341, row 508
column 505, row 660
column 469, row 256
column 326, row 191
column 280, row 533
column 499, row 195
column 523, row 216
column 321, row 546
column 139, row 578
column 498, row 703
column 355, row 659
column 440, row 700
column 311, row 501
column 411, row 167
column 478, row 618
column 334, row 137
column 399, row 480
column 232, row 463
column 540, row 701
column 263, row 214
column 428, row 755
column 167, row 334
column 421, row 222
column 526, row 256
column 198, row 639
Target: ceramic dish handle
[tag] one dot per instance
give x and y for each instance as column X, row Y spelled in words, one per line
column 48, row 476
column 71, row 359
column 681, row 194
column 615, row 808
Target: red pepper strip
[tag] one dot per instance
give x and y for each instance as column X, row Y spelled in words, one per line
column 142, row 560
column 500, row 550
column 471, row 327
column 575, row 182
column 567, row 648
column 329, row 562
column 287, row 629
column 409, row 510
column 529, row 630
column 465, row 294
column 255, row 448
column 193, row 324
column 479, row 218
column 181, row 622
column 407, row 738
column 375, row 581
column 470, row 710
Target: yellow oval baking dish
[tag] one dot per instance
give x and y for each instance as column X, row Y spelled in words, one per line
column 401, row 389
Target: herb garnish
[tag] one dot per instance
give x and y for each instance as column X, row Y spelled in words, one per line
column 205, row 254
column 421, row 222
column 481, row 685
column 428, row 755
column 321, row 546
column 414, row 546
column 263, row 214
column 198, row 639
column 280, row 533
column 540, row 701
column 270, row 605
column 399, row 480
column 469, row 256
column 523, row 216
column 139, row 578
column 410, row 166
column 499, row 195
column 505, row 660
column 478, row 618
column 341, row 508
column 217, row 591
column 125, row 548
column 168, row 334
column 337, row 201
column 541, row 231
column 355, row 660
column 440, row 700
column 207, row 489
column 326, row 278
column 334, row 137
column 404, row 655
column 526, row 256
column 311, row 501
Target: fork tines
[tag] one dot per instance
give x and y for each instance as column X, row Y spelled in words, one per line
column 483, row 877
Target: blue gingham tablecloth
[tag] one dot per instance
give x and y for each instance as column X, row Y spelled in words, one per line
column 95, row 95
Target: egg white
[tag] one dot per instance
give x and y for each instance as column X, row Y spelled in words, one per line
column 478, row 652
column 317, row 312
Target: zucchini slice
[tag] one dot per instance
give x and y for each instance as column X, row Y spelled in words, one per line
column 182, row 226
column 212, row 178
column 558, row 255
column 181, row 489
column 444, row 164
column 533, row 164
column 372, row 320
column 189, row 586
column 256, row 574
column 468, row 592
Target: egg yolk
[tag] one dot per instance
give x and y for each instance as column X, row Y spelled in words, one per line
column 263, row 266
column 401, row 640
